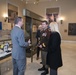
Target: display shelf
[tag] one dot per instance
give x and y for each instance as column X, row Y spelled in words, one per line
column 2, row 40
column 5, row 54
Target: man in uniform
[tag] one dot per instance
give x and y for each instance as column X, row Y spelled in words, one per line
column 43, row 45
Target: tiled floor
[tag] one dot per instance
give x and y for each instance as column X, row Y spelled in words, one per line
column 69, row 62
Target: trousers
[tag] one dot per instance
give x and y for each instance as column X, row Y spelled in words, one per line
column 19, row 66
column 53, row 72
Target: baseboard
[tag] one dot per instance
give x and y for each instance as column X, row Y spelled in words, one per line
column 68, row 41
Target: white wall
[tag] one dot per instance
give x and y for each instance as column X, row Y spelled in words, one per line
column 67, row 10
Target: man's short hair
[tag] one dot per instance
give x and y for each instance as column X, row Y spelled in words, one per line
column 17, row 19
column 45, row 22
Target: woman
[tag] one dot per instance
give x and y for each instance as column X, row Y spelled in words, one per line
column 54, row 58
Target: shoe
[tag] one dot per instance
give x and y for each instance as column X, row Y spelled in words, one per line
column 40, row 62
column 41, row 69
column 45, row 72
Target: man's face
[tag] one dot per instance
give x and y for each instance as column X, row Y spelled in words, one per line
column 21, row 22
column 44, row 25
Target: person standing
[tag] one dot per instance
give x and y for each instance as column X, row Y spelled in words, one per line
column 38, row 35
column 19, row 47
column 54, row 57
column 43, row 45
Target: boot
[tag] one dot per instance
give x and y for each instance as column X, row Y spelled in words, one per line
column 41, row 69
column 45, row 72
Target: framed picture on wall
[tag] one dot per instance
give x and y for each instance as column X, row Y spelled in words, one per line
column 50, row 16
column 72, row 29
column 12, row 13
column 52, row 13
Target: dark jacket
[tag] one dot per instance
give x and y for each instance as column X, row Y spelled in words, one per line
column 54, row 58
column 38, row 35
column 44, row 39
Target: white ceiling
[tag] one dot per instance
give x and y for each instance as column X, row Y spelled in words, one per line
column 32, row 1
column 37, row 0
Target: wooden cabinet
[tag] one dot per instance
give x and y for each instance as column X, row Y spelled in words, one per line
column 5, row 65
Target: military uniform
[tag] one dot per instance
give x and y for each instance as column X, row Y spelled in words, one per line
column 44, row 43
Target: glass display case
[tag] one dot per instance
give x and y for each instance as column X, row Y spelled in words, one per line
column 31, row 26
column 5, row 43
column 5, row 51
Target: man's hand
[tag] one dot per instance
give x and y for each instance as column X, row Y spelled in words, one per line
column 29, row 41
column 40, row 46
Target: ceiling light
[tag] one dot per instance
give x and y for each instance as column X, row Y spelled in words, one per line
column 34, row 1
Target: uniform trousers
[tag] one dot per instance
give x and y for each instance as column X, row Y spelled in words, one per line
column 43, row 58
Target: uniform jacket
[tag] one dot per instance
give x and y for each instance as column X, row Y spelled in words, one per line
column 44, row 39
